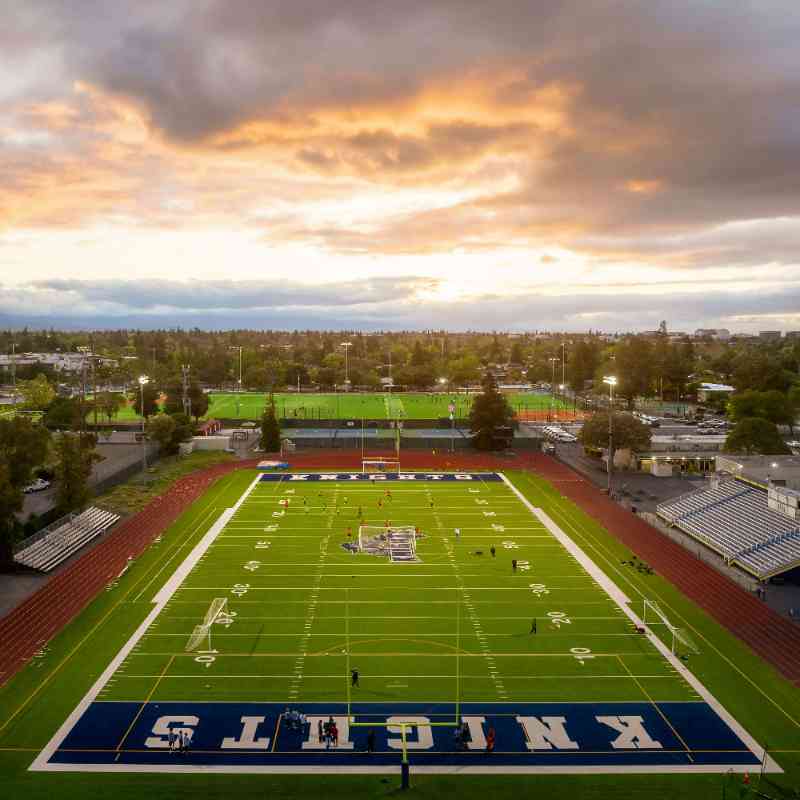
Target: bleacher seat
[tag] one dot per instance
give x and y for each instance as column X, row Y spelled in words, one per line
column 60, row 543
column 734, row 519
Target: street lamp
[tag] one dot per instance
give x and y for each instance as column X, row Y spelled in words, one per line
column 143, row 381
column 553, row 361
column 612, row 382
column 347, row 346
column 238, row 399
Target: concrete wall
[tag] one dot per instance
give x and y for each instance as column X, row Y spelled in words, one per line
column 211, row 442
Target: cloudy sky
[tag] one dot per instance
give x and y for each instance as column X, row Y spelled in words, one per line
column 520, row 164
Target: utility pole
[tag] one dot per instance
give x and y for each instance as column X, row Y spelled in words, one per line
column 239, row 390
column 143, row 381
column 187, row 402
column 612, row 382
column 14, row 371
column 553, row 361
column 346, row 346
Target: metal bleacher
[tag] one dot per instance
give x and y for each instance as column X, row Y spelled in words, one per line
column 733, row 519
column 64, row 538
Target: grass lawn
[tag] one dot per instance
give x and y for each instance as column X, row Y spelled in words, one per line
column 454, row 627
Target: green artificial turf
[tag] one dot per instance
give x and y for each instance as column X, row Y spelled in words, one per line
column 402, row 623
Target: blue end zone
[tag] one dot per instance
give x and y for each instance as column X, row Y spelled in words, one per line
column 444, row 477
column 566, row 735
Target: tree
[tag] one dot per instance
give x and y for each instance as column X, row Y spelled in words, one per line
column 270, row 429
column 37, row 393
column 169, row 430
column 75, row 455
column 490, row 416
column 773, row 405
column 756, row 435
column 198, row 399
column 629, row 432
column 23, row 446
column 110, row 404
column 634, row 368
column 63, row 413
column 160, row 429
column 151, row 396
column 11, row 501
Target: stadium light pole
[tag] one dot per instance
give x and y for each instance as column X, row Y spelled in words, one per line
column 553, row 361
column 238, row 393
column 347, row 346
column 612, row 382
column 143, row 381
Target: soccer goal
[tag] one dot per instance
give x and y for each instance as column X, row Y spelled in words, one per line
column 679, row 635
column 398, row 542
column 380, row 465
column 218, row 610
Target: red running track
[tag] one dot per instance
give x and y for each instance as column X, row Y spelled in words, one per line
column 29, row 627
column 773, row 637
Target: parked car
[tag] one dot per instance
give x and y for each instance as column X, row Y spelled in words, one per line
column 39, row 485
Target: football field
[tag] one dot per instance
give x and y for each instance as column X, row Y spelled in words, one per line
column 501, row 625
column 372, row 406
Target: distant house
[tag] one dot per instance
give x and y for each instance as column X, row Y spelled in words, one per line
column 713, row 391
column 723, row 334
column 769, row 336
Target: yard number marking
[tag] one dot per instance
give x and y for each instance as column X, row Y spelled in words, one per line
column 559, row 618
column 509, row 545
column 240, row 588
column 482, row 502
column 581, row 653
column 539, row 589
column 252, row 566
column 496, row 527
column 262, row 545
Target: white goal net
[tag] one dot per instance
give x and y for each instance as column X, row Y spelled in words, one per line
column 679, row 635
column 201, row 633
column 380, row 465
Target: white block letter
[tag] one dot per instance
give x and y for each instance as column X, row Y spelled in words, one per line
column 248, row 740
column 163, row 727
column 477, row 741
column 546, row 734
column 632, row 735
column 424, row 733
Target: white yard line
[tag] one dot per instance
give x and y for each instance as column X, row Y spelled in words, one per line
column 160, row 600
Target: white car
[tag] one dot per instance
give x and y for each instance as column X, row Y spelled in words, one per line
column 39, row 485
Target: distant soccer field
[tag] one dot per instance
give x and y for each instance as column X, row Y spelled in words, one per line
column 502, row 624
column 376, row 406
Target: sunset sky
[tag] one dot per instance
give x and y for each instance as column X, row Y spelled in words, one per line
column 369, row 164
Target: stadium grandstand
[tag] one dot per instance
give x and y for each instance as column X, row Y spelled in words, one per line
column 752, row 526
column 56, row 543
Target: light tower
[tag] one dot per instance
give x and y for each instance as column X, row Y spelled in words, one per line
column 612, row 382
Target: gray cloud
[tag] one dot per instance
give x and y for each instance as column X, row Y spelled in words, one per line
column 389, row 305
column 215, row 296
column 694, row 105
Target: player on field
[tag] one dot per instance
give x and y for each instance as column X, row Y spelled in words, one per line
column 513, row 564
column 492, row 551
column 388, row 494
column 354, row 678
column 457, row 532
column 533, row 627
